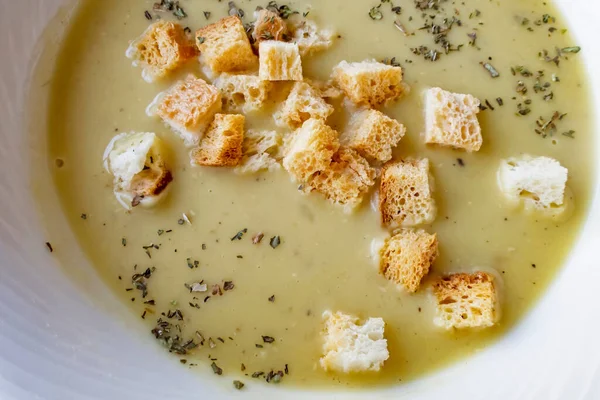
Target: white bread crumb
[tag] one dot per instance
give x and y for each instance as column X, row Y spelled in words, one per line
column 260, row 152
column 309, row 38
column 304, row 102
column 279, row 61
column 243, row 93
column 405, row 194
column 161, row 49
column 451, row 120
column 351, row 346
column 188, row 107
column 538, row 182
column 406, row 257
column 137, row 163
column 466, row 301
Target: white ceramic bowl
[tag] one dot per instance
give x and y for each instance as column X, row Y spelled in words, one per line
column 58, row 335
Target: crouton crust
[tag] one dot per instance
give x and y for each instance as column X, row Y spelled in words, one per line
column 225, row 47
column 407, row 257
column 279, row 61
column 222, row 146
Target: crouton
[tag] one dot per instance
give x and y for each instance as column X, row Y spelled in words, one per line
column 407, row 257
column 260, row 152
column 243, row 93
column 326, row 89
column 268, row 26
column 187, row 108
column 351, row 346
column 369, row 82
column 451, row 120
column 405, row 194
column 466, row 301
column 373, row 135
column 224, row 46
column 310, row 150
column 138, row 164
column 309, row 38
column 279, row 61
column 303, row 102
column 162, row 48
column 222, row 145
column 345, row 181
column 538, row 182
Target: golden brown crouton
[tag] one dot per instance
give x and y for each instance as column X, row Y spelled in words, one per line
column 268, row 26
column 303, row 102
column 405, row 194
column 310, row 150
column 369, row 82
column 187, row 107
column 407, row 257
column 373, row 135
column 162, row 48
column 225, row 47
column 466, row 301
column 243, row 93
column 279, row 61
column 345, row 181
column 261, row 151
column 451, row 119
column 222, row 146
column 309, row 38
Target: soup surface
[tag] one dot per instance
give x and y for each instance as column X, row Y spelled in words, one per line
column 323, row 261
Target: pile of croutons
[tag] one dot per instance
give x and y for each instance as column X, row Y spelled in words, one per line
column 242, row 69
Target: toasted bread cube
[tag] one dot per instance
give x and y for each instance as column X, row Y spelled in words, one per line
column 369, row 82
column 310, row 150
column 303, row 102
column 309, row 38
column 279, row 61
column 138, row 164
column 224, row 46
column 187, row 107
column 538, row 182
column 407, row 257
column 162, row 48
column 466, row 301
column 326, row 89
column 405, row 194
column 451, row 120
column 243, row 93
column 260, row 152
column 351, row 346
column 373, row 134
column 345, row 181
column 268, row 26
column 222, row 145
